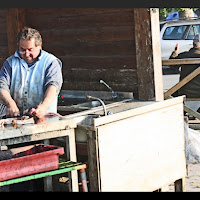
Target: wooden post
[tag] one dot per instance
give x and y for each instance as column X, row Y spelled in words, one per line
column 15, row 18
column 148, row 55
column 93, row 162
column 156, row 48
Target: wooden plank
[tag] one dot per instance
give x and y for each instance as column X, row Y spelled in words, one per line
column 181, row 61
column 54, row 21
column 156, row 48
column 192, row 99
column 96, row 48
column 93, row 162
column 182, row 82
column 86, row 85
column 122, row 62
column 110, row 76
column 87, row 77
column 72, row 153
column 134, row 157
column 32, row 137
column 191, row 112
column 52, row 12
column 137, row 111
column 107, row 33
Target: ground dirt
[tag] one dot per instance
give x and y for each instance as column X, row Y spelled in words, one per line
column 192, row 180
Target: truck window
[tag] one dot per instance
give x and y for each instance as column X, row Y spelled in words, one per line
column 174, row 32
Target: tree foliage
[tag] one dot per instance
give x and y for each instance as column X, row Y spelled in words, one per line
column 163, row 12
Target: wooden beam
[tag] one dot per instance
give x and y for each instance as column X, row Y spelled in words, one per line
column 182, row 82
column 191, row 112
column 181, row 61
column 156, row 48
column 15, row 18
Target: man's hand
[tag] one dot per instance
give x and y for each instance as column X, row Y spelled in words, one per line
column 6, row 99
column 176, row 47
column 12, row 110
column 39, row 111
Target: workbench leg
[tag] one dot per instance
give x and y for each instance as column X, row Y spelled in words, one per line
column 83, row 180
column 93, row 162
column 48, row 183
column 71, row 153
column 179, row 185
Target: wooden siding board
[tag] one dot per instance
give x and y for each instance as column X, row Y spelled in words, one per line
column 91, row 62
column 110, row 33
column 72, row 11
column 89, row 79
column 56, row 21
column 94, row 86
column 92, row 48
column 97, row 74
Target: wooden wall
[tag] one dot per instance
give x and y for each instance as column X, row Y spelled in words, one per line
column 113, row 44
column 3, row 36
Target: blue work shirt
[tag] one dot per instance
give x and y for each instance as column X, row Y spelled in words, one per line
column 27, row 83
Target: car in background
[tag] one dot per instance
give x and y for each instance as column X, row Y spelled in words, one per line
column 178, row 31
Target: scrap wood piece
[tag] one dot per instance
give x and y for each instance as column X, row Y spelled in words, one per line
column 191, row 112
column 182, row 82
column 182, row 61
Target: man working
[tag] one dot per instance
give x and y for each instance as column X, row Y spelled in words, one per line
column 192, row 88
column 31, row 78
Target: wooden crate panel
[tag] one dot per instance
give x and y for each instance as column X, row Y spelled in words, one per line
column 144, row 152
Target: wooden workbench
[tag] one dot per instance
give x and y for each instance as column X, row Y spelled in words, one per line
column 53, row 128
